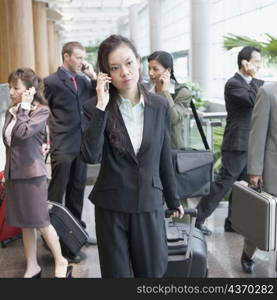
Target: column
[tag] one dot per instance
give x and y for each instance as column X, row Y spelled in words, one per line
column 51, row 47
column 134, row 24
column 155, row 22
column 200, row 44
column 21, row 34
column 41, row 38
column 58, row 50
column 4, row 42
column 17, row 38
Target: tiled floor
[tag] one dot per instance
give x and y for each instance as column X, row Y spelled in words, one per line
column 224, row 251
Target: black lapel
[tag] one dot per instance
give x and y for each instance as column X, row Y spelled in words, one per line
column 67, row 81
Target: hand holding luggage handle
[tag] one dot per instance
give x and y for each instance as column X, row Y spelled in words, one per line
column 192, row 212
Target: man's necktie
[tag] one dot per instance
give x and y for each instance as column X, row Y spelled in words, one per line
column 74, row 82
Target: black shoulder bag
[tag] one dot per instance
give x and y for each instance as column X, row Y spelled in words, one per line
column 193, row 168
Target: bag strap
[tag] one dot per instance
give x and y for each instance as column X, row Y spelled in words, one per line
column 199, row 125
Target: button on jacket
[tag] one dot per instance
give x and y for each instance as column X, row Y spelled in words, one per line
column 128, row 182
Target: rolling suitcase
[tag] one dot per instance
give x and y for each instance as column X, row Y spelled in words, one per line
column 72, row 236
column 187, row 249
column 7, row 233
column 254, row 215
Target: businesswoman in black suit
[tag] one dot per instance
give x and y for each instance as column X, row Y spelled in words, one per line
column 128, row 129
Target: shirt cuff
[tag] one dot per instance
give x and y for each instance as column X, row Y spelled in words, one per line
column 26, row 105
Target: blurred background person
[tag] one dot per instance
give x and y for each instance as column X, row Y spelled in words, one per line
column 240, row 97
column 161, row 73
column 66, row 91
column 25, row 171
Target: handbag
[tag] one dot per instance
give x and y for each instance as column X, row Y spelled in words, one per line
column 193, row 168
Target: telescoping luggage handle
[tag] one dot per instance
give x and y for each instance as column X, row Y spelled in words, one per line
column 192, row 212
column 199, row 125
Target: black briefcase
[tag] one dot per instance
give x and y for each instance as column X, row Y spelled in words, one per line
column 72, row 235
column 193, row 168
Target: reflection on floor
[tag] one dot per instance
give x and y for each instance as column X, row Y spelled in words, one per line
column 224, row 250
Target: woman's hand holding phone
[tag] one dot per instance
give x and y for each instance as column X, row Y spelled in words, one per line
column 28, row 95
column 165, row 81
column 102, row 90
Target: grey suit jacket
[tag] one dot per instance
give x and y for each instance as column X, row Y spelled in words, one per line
column 262, row 151
column 24, row 158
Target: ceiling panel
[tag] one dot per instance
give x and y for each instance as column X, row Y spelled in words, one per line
column 84, row 17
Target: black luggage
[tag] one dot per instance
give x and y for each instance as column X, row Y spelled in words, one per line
column 72, row 235
column 187, row 249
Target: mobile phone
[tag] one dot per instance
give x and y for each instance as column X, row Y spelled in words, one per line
column 106, row 86
column 84, row 67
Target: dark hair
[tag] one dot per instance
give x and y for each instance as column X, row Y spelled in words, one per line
column 246, row 53
column 113, row 126
column 70, row 46
column 29, row 79
column 165, row 59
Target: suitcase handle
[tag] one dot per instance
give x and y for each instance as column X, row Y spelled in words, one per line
column 187, row 211
column 259, row 188
column 193, row 214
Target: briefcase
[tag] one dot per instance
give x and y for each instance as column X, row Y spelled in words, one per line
column 193, row 168
column 254, row 215
column 72, row 235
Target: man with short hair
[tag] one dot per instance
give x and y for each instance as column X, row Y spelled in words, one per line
column 66, row 91
column 240, row 95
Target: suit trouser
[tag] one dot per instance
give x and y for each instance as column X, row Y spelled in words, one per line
column 68, row 178
column 131, row 242
column 233, row 168
column 249, row 248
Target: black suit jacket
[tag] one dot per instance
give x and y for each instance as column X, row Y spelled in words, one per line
column 126, row 182
column 66, row 120
column 240, row 99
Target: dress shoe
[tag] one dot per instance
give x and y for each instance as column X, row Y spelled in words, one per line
column 228, row 225
column 38, row 275
column 91, row 242
column 68, row 273
column 205, row 230
column 247, row 263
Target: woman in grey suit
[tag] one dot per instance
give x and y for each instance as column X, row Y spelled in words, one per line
column 25, row 172
column 128, row 130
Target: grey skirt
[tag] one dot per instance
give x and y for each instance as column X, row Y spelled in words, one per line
column 26, row 204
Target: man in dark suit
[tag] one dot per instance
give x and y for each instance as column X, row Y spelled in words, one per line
column 66, row 91
column 240, row 95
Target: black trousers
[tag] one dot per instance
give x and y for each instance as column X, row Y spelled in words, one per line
column 68, row 179
column 233, row 168
column 131, row 244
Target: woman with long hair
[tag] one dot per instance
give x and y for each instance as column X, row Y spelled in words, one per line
column 128, row 130
column 25, row 171
column 161, row 73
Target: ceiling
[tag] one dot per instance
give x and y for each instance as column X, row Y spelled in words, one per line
column 89, row 21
